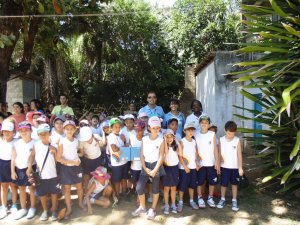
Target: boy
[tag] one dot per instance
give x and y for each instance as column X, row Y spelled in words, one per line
column 231, row 163
column 209, row 161
column 128, row 129
column 173, row 125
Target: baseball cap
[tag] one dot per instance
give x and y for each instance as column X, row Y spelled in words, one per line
column 8, row 125
column 113, row 121
column 42, row 118
column 105, row 123
column 189, row 125
column 154, row 121
column 140, row 125
column 43, row 128
column 69, row 122
column 84, row 122
column 169, row 131
column 60, row 117
column 204, row 117
column 142, row 114
column 128, row 116
column 85, row 134
column 24, row 124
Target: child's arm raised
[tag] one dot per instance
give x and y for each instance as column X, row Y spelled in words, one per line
column 216, row 153
column 13, row 164
column 180, row 154
column 240, row 159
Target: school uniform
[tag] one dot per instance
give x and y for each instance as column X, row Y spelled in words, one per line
column 120, row 168
column 5, row 160
column 229, row 163
column 49, row 181
column 188, row 180
column 92, row 156
column 23, row 151
column 127, row 133
column 98, row 188
column 70, row 174
column 34, row 134
column 136, row 165
column 205, row 145
column 151, row 150
column 171, row 168
column 55, row 138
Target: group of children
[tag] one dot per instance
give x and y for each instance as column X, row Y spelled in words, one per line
column 89, row 159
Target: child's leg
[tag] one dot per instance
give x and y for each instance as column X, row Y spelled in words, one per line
column 117, row 188
column 80, row 194
column 191, row 193
column 211, row 189
column 104, row 199
column 44, row 200
column 86, row 179
column 124, row 185
column 140, row 188
column 155, row 190
column 32, row 196
column 234, row 191
column 142, row 200
column 4, row 193
column 181, row 193
column 67, row 189
column 54, row 202
column 200, row 189
column 223, row 191
column 22, row 190
column 173, row 195
column 14, row 192
column 166, row 194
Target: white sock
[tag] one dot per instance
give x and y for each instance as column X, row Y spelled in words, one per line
column 180, row 202
column 191, row 200
column 234, row 200
column 223, row 198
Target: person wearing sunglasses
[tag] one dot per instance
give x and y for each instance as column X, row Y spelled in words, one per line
column 151, row 108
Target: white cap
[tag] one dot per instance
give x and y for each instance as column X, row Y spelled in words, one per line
column 85, row 134
column 128, row 116
column 154, row 121
column 189, row 125
column 142, row 114
column 8, row 125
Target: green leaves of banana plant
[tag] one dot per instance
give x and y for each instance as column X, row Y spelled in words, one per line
column 273, row 33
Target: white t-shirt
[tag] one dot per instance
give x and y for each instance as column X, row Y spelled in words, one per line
column 205, row 145
column 151, row 148
column 6, row 149
column 23, row 151
column 55, row 138
column 49, row 170
column 116, row 140
column 96, row 130
column 189, row 153
column 229, row 152
column 70, row 149
column 91, row 151
column 134, row 142
column 171, row 158
column 99, row 187
column 194, row 119
column 34, row 134
column 127, row 133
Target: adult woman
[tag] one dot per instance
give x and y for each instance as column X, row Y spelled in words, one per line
column 35, row 105
column 18, row 115
column 26, row 107
column 197, row 111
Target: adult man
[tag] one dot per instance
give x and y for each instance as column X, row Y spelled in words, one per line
column 152, row 109
column 62, row 109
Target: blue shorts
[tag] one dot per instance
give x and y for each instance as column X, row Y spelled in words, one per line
column 22, row 179
column 70, row 174
column 187, row 180
column 207, row 173
column 89, row 165
column 171, row 178
column 120, row 172
column 5, row 171
column 229, row 175
column 48, row 186
column 135, row 175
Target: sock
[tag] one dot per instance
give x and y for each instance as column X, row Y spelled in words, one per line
column 209, row 196
column 167, row 205
column 92, row 200
column 199, row 196
column 223, row 198
column 191, row 200
column 173, row 205
column 180, row 202
column 234, row 199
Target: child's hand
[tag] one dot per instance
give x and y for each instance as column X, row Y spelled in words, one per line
column 14, row 176
column 241, row 172
column 217, row 168
column 77, row 163
column 28, row 171
column 198, row 167
column 52, row 149
column 90, row 210
column 123, row 138
column 148, row 171
column 152, row 173
column 187, row 170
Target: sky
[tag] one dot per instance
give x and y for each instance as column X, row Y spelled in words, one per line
column 162, row 3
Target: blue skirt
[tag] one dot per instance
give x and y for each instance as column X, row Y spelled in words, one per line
column 70, row 174
column 89, row 165
column 5, row 171
column 22, row 179
column 172, row 176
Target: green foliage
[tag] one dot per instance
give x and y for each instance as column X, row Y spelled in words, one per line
column 274, row 31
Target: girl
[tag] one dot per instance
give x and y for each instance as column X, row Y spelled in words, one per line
column 128, row 129
column 6, row 147
column 20, row 167
column 171, row 179
column 99, row 184
column 152, row 151
column 70, row 169
column 58, row 132
column 18, row 115
column 119, row 167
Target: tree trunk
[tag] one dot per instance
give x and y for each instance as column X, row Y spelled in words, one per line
column 50, row 84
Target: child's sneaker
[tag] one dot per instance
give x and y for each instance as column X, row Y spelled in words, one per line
column 44, row 216
column 201, row 203
column 151, row 214
column 166, row 210
column 13, row 208
column 235, row 206
column 3, row 212
column 174, row 209
column 138, row 212
column 211, row 202
column 221, row 204
column 31, row 213
column 20, row 214
column 179, row 207
column 194, row 205
column 150, row 199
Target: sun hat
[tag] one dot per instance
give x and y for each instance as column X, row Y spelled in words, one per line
column 189, row 125
column 100, row 173
column 69, row 122
column 204, row 117
column 24, row 124
column 8, row 125
column 154, row 121
column 43, row 128
column 114, row 121
column 140, row 125
column 85, row 134
column 170, row 131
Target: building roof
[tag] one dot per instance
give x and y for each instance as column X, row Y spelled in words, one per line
column 205, row 61
column 28, row 76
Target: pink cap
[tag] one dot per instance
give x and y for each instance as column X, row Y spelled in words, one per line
column 154, row 121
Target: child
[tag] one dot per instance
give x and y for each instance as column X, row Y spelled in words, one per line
column 99, row 189
column 209, row 161
column 44, row 154
column 20, row 167
column 128, row 129
column 214, row 129
column 119, row 167
column 188, row 165
column 70, row 169
column 6, row 147
column 96, row 129
column 173, row 125
column 152, row 152
column 171, row 179
column 58, row 132
column 231, row 164
column 89, row 148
